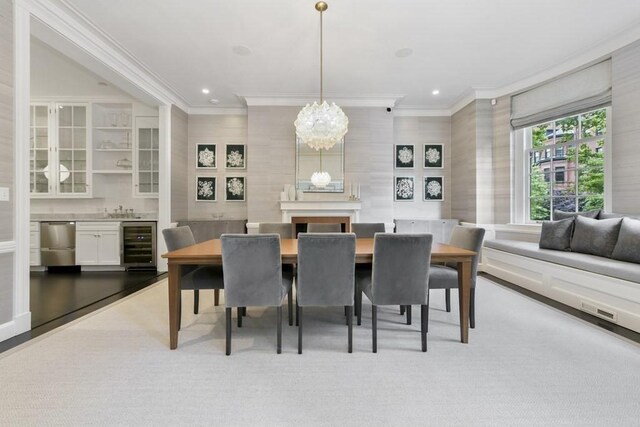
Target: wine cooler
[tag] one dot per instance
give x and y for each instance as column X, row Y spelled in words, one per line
column 138, row 248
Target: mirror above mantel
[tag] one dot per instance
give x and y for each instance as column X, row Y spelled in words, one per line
column 308, row 161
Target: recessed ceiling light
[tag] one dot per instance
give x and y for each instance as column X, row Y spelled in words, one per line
column 404, row 52
column 205, row 91
column 241, row 50
column 103, row 84
column 214, row 101
column 435, row 91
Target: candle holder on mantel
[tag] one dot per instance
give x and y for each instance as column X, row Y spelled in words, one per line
column 354, row 192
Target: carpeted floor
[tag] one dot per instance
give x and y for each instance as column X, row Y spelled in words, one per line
column 526, row 364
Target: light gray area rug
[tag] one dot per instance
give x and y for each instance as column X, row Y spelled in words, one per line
column 526, row 364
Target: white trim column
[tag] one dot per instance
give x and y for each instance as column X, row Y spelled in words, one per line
column 164, row 186
column 22, row 64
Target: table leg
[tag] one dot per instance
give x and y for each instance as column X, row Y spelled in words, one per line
column 174, row 304
column 464, row 286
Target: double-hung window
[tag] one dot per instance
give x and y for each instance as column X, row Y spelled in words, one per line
column 565, row 164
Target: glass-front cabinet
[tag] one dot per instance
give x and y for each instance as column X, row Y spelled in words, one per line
column 147, row 157
column 59, row 158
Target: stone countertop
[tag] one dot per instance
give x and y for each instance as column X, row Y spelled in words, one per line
column 88, row 217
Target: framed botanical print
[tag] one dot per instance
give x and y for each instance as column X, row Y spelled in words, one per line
column 404, row 188
column 206, row 188
column 206, row 156
column 235, row 188
column 433, row 189
column 405, row 156
column 235, row 156
column 433, row 156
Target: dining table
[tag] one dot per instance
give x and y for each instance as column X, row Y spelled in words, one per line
column 210, row 252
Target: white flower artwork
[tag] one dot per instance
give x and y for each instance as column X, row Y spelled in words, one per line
column 235, row 189
column 235, row 157
column 404, row 188
column 405, row 156
column 206, row 156
column 433, row 156
column 433, row 188
column 206, row 189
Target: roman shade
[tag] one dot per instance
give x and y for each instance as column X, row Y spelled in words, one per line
column 584, row 90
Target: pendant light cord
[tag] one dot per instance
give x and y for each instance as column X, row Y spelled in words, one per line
column 321, row 57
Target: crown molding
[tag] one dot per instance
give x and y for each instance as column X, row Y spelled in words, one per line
column 301, row 100
column 69, row 22
column 420, row 112
column 217, row 111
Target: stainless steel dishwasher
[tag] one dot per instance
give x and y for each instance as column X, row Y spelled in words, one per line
column 58, row 243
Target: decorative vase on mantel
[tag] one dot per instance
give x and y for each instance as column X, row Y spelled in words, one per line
column 300, row 195
column 292, row 192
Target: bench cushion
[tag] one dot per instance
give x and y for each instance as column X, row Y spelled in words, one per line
column 595, row 264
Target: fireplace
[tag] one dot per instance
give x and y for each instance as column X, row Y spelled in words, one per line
column 300, row 222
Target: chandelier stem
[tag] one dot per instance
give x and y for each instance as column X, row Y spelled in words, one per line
column 321, row 57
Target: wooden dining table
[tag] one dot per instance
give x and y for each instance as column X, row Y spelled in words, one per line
column 210, row 252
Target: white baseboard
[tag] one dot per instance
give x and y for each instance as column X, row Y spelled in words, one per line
column 16, row 326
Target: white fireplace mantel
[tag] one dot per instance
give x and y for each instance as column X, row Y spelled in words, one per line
column 320, row 208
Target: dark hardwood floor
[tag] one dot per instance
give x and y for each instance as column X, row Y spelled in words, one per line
column 63, row 295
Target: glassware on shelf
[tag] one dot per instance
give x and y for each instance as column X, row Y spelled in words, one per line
column 113, row 118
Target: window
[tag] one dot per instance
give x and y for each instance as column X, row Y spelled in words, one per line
column 573, row 179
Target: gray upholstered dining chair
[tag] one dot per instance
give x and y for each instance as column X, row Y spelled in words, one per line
column 446, row 276
column 193, row 276
column 254, row 276
column 399, row 276
column 366, row 230
column 314, row 227
column 285, row 231
column 326, row 274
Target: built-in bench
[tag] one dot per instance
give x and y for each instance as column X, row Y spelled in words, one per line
column 604, row 287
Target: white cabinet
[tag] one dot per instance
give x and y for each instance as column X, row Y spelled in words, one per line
column 440, row 228
column 59, row 155
column 34, row 243
column 147, row 163
column 98, row 243
column 112, row 138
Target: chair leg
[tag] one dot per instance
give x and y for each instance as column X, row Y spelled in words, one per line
column 350, row 325
column 447, row 299
column 216, row 297
column 401, row 310
column 424, row 319
column 472, row 309
column 290, row 307
column 408, row 315
column 299, row 322
column 239, row 310
column 279, row 333
column 228, row 325
column 359, row 305
column 427, row 327
column 196, row 301
column 297, row 310
column 355, row 301
column 374, row 327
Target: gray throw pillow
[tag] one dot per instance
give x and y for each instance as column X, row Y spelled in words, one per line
column 595, row 236
column 556, row 235
column 628, row 246
column 564, row 215
column 608, row 215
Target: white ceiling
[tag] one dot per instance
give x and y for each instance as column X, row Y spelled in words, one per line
column 458, row 45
